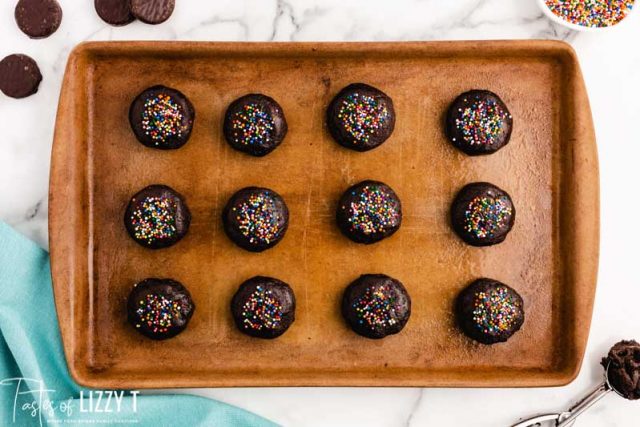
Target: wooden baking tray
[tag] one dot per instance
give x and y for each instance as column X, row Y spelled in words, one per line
column 550, row 169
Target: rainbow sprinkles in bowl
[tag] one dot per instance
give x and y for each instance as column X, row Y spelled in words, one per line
column 589, row 14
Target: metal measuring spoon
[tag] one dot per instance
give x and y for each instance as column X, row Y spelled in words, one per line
column 568, row 418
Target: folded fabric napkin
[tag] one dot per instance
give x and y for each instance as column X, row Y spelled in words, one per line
column 35, row 386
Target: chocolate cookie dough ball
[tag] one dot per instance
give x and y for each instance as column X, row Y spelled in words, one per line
column 255, row 218
column 482, row 214
column 263, row 307
column 162, row 118
column 255, row 124
column 489, row 311
column 369, row 212
column 623, row 369
column 478, row 122
column 159, row 308
column 376, row 305
column 361, row 117
column 157, row 217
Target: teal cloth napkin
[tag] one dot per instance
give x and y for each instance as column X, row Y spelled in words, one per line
column 35, row 386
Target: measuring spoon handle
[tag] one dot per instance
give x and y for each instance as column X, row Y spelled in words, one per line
column 567, row 418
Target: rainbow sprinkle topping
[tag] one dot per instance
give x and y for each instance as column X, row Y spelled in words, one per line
column 591, row 13
column 486, row 215
column 252, row 126
column 261, row 310
column 158, row 313
column 162, row 118
column 154, row 219
column 481, row 122
column 374, row 211
column 495, row 310
column 376, row 307
column 362, row 116
column 259, row 218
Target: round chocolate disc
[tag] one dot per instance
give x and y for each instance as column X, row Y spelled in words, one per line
column 19, row 76
column 152, row 11
column 263, row 307
column 38, row 18
column 157, row 217
column 159, row 308
column 115, row 12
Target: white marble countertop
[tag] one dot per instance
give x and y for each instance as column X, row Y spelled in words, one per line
column 611, row 66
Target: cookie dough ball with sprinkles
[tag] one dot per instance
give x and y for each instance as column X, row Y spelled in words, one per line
column 369, row 212
column 157, row 217
column 255, row 124
column 376, row 305
column 255, row 218
column 361, row 117
column 489, row 311
column 159, row 308
column 482, row 214
column 478, row 122
column 162, row 117
column 263, row 307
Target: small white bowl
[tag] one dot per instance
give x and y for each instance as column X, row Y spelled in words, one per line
column 558, row 20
